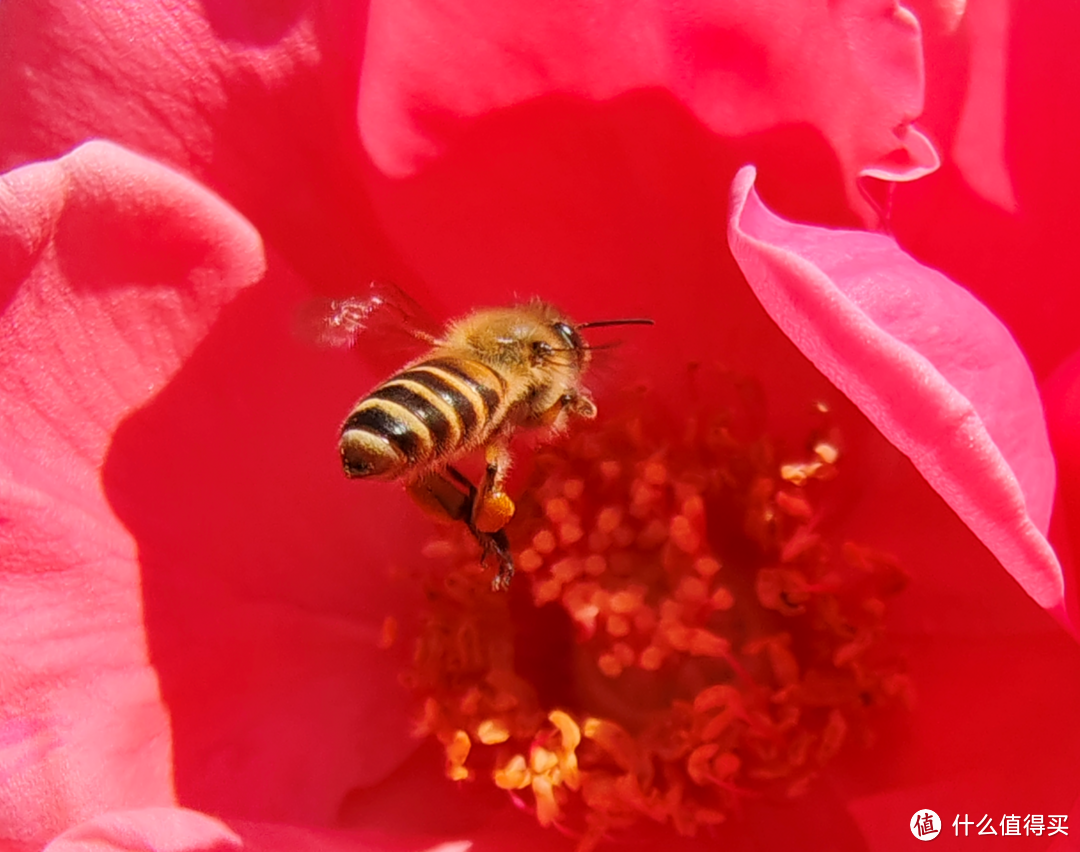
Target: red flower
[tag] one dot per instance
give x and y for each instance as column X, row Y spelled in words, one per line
column 193, row 595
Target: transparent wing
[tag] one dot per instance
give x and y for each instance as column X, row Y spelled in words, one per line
column 381, row 317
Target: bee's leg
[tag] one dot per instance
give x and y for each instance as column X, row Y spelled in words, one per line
column 455, row 498
column 492, row 509
column 576, row 403
column 440, row 497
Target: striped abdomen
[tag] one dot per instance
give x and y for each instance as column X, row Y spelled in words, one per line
column 423, row 415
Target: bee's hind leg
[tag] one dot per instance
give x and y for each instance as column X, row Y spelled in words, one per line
column 456, row 498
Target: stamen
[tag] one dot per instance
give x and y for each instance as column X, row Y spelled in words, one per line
column 688, row 634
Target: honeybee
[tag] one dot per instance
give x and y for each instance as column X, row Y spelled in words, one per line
column 488, row 376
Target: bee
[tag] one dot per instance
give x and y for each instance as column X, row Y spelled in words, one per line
column 490, row 375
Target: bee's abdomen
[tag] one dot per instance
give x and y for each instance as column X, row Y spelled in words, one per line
column 425, row 413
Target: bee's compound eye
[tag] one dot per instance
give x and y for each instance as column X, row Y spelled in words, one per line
column 568, row 334
column 365, row 454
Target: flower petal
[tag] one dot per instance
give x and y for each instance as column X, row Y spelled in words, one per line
column 926, row 363
column 1062, row 395
column 112, row 268
column 852, row 70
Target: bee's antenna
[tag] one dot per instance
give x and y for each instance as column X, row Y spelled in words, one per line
column 635, row 321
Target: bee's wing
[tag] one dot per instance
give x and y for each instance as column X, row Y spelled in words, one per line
column 380, row 320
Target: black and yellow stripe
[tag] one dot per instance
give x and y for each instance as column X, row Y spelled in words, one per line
column 426, row 412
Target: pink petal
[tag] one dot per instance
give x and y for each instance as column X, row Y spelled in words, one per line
column 1062, row 395
column 257, row 102
column 149, row 830
column 926, row 363
column 1002, row 215
column 113, row 270
column 850, row 70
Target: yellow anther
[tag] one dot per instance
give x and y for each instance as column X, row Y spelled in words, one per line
column 457, row 751
column 492, row 732
column 514, row 775
column 542, row 760
column 547, row 809
column 826, row 452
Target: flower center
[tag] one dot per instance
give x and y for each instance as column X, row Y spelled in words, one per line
column 679, row 635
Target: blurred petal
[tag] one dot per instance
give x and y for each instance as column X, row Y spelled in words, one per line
column 255, row 100
column 113, row 268
column 149, row 830
column 852, row 70
column 1001, row 215
column 926, row 363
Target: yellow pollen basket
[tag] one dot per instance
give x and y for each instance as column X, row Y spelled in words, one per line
column 680, row 636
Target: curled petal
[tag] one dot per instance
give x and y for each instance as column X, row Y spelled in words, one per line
column 927, row 364
column 112, row 269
